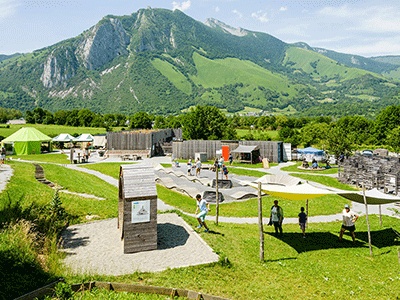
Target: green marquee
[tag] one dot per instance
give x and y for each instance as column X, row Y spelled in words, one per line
column 27, row 140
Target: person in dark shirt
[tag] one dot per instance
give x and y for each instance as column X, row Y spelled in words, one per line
column 303, row 221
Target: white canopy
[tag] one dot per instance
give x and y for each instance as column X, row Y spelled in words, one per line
column 85, row 137
column 63, row 137
column 279, row 180
column 372, row 196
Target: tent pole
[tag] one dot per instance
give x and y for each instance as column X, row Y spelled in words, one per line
column 306, row 209
column 366, row 213
column 260, row 223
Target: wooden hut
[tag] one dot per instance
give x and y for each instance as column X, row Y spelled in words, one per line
column 247, row 154
column 137, row 208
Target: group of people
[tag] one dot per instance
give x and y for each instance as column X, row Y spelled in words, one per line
column 276, row 218
column 196, row 165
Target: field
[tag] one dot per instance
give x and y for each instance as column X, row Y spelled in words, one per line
column 293, row 268
column 273, row 134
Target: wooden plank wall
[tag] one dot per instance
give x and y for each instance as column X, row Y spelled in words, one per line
column 138, row 183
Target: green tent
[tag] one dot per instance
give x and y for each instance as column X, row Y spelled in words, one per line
column 27, row 140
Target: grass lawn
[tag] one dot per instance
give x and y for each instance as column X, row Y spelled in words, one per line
column 273, row 134
column 110, row 169
column 293, row 168
column 325, row 180
column 56, row 158
column 293, row 267
column 23, row 185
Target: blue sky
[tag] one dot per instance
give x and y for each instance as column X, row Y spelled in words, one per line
column 367, row 28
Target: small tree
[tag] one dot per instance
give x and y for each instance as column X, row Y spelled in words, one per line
column 393, row 139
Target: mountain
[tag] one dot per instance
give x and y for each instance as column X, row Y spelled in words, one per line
column 4, row 57
column 163, row 62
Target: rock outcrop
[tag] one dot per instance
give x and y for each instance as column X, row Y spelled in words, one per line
column 60, row 66
column 102, row 43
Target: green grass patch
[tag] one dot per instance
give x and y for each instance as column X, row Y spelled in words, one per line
column 273, row 134
column 294, row 268
column 293, row 168
column 56, row 158
column 325, row 180
column 110, row 169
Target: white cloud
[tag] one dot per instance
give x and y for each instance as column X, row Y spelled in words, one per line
column 181, row 6
column 8, row 8
column 238, row 13
column 294, row 31
column 283, row 8
column 261, row 16
column 217, row 9
column 339, row 12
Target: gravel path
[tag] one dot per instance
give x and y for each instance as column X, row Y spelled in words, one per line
column 5, row 174
column 96, row 248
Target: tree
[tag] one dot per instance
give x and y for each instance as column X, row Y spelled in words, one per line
column 85, row 117
column 393, row 139
column 337, row 141
column 205, row 123
column 141, row 120
column 386, row 121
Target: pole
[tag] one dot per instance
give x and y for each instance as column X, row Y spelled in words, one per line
column 260, row 223
column 216, row 195
column 380, row 215
column 307, row 209
column 366, row 213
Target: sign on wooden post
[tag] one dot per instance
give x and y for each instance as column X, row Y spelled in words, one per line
column 137, row 208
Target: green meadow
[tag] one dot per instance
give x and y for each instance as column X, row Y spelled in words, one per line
column 317, row 267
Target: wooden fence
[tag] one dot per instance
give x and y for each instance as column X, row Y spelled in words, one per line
column 121, row 287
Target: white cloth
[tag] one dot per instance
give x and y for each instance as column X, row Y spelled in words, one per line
column 274, row 213
column 348, row 217
column 202, row 204
column 198, row 164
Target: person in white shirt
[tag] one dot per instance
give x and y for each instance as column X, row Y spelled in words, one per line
column 204, row 207
column 276, row 218
column 198, row 166
column 349, row 218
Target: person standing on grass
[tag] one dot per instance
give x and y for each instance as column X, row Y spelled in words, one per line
column 3, row 154
column 277, row 218
column 204, row 207
column 349, row 218
column 302, row 221
column 198, row 166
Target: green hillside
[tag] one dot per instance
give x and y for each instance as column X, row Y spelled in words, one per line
column 163, row 62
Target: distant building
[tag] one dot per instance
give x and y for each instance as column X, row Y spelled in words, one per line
column 16, row 122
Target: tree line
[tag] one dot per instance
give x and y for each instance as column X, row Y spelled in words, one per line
column 208, row 122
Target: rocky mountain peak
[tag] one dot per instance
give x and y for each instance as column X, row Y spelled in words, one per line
column 102, row 43
column 213, row 23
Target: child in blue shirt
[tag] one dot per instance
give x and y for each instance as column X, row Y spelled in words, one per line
column 302, row 221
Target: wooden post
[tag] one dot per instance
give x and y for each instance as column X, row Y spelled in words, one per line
column 260, row 223
column 366, row 213
column 380, row 215
column 216, row 195
column 307, row 210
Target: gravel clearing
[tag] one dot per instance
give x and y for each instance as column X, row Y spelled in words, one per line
column 96, row 248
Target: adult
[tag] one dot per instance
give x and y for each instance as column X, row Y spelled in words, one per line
column 198, row 166
column 277, row 218
column 204, row 207
column 349, row 218
column 230, row 159
column 3, row 154
column 189, row 167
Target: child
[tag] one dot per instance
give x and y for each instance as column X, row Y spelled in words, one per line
column 302, row 221
column 204, row 207
column 198, row 166
column 225, row 171
column 189, row 167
